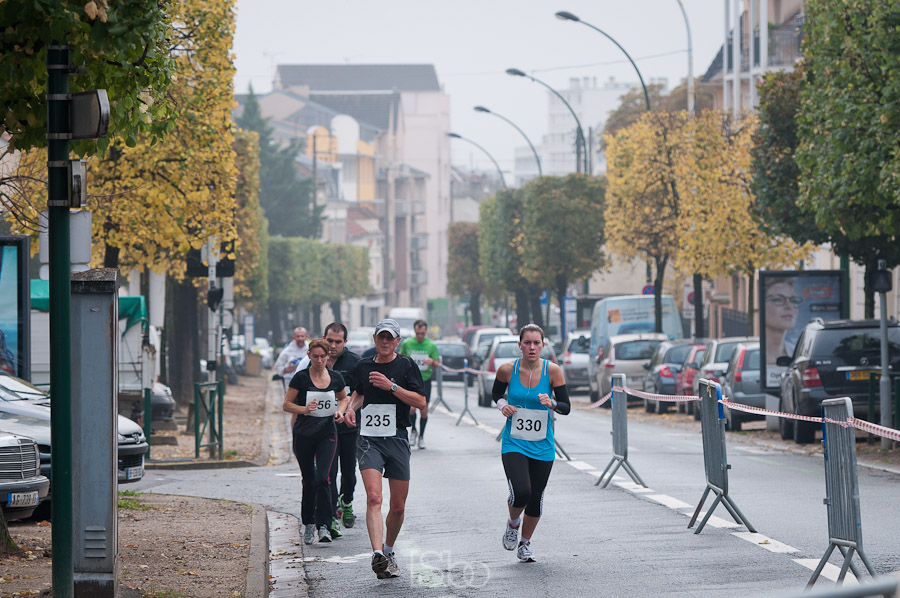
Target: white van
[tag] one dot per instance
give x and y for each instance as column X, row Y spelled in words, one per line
column 405, row 317
column 627, row 314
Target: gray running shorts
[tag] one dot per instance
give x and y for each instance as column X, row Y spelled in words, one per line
column 390, row 456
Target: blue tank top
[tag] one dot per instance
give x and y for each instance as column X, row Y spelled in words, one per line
column 519, row 395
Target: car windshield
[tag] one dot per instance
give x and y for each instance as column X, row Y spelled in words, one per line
column 751, row 360
column 14, row 389
column 487, row 337
column 580, row 345
column 724, row 351
column 849, row 344
column 677, row 354
column 507, row 350
column 636, row 349
column 406, row 322
column 698, row 358
column 452, row 350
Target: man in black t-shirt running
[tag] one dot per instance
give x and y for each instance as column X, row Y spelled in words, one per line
column 387, row 386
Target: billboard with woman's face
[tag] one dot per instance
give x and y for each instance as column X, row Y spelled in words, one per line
column 788, row 301
column 15, row 305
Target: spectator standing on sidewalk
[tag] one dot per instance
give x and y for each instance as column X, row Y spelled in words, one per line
column 317, row 398
column 288, row 360
column 388, row 384
column 343, row 361
column 424, row 353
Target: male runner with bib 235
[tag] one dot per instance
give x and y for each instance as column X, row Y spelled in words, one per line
column 528, row 450
column 387, row 385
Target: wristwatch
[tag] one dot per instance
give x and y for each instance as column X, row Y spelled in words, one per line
column 393, row 387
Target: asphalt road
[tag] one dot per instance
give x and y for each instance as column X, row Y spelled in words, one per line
column 618, row 541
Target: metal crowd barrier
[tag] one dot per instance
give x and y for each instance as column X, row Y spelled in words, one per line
column 466, row 395
column 886, row 586
column 712, row 425
column 841, row 489
column 208, row 406
column 439, row 376
column 619, row 434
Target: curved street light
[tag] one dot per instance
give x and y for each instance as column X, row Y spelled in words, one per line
column 567, row 16
column 486, row 153
column 579, row 139
column 531, row 145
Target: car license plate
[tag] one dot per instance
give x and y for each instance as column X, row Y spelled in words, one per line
column 859, row 374
column 635, row 379
column 134, row 473
column 22, row 499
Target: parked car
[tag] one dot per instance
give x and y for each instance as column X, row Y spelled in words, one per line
column 25, row 410
column 575, row 357
column 684, row 380
column 162, row 408
column 22, row 487
column 237, row 353
column 715, row 361
column 662, row 369
column 467, row 334
column 265, row 351
column 833, row 359
column 626, row 354
column 360, row 340
column 502, row 349
column 453, row 355
column 741, row 384
column 477, row 361
column 485, row 335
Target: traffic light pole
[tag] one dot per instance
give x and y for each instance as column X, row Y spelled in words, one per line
column 58, row 128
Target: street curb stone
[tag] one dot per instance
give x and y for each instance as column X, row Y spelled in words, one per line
column 258, row 566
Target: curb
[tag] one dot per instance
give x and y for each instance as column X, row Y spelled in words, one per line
column 208, row 464
column 258, row 565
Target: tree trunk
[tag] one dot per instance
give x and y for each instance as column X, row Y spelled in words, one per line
column 315, row 320
column 751, row 299
column 871, row 266
column 657, row 291
column 475, row 308
column 536, row 316
column 561, row 285
column 523, row 307
column 7, row 546
column 183, row 346
column 698, row 306
column 336, row 310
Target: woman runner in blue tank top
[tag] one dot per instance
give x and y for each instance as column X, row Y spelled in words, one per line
column 527, row 449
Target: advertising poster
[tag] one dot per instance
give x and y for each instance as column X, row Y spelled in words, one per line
column 788, row 301
column 14, row 306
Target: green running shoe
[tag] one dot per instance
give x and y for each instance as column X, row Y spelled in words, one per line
column 347, row 516
column 335, row 530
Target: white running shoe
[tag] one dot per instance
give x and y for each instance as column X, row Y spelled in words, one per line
column 309, row 533
column 413, row 437
column 324, row 534
column 510, row 536
column 524, row 553
column 421, row 442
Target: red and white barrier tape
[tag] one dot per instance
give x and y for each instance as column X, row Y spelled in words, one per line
column 859, row 424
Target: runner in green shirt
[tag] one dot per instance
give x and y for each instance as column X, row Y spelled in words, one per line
column 424, row 352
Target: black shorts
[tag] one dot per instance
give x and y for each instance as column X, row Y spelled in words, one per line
column 390, row 455
column 427, row 391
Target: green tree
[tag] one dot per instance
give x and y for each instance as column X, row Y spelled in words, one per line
column 123, row 48
column 562, row 232
column 463, row 267
column 849, row 129
column 500, row 254
column 251, row 280
column 287, row 200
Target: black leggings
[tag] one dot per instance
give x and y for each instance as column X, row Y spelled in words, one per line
column 315, row 456
column 346, row 452
column 527, row 479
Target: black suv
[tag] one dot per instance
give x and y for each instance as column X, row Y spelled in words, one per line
column 832, row 359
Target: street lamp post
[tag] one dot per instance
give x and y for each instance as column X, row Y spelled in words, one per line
column 486, row 153
column 567, row 16
column 531, row 145
column 579, row 139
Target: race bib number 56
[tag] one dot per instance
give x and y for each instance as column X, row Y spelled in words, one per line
column 529, row 424
column 326, row 403
column 378, row 420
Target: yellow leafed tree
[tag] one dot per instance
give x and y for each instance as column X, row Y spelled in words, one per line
column 644, row 198
column 151, row 202
column 719, row 231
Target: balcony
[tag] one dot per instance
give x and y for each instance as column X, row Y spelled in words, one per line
column 418, row 278
column 418, row 242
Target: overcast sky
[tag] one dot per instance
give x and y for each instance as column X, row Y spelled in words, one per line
column 472, row 42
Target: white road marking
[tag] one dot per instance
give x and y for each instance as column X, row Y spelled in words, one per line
column 669, row 501
column 764, row 542
column 288, row 475
column 830, row 572
column 632, row 487
column 341, row 560
column 580, row 465
column 488, row 429
column 713, row 521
